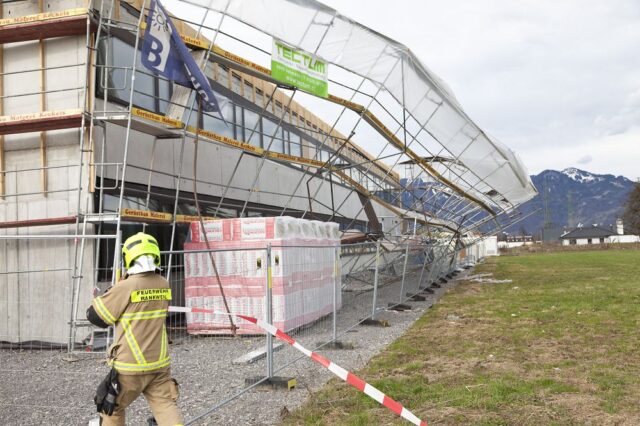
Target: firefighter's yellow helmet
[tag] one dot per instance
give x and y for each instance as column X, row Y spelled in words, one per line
column 138, row 245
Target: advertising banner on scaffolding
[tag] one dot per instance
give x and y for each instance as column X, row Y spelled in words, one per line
column 300, row 69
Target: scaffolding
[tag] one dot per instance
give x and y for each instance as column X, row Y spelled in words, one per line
column 94, row 147
column 132, row 159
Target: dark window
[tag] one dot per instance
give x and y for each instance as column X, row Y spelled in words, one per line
column 285, row 138
column 239, row 123
column 114, row 77
column 213, row 122
column 223, row 75
column 272, row 136
column 164, row 93
column 252, row 128
column 162, row 232
column 259, row 98
column 248, row 89
column 296, row 148
column 236, row 82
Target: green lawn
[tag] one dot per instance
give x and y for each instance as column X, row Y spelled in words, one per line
column 559, row 345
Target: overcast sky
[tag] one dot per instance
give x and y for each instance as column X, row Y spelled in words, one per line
column 558, row 81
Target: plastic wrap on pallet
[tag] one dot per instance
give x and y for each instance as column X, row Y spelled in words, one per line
column 303, row 268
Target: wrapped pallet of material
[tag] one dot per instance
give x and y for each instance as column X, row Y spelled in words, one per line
column 304, row 268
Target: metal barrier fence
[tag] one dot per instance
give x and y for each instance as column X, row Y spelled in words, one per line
column 317, row 294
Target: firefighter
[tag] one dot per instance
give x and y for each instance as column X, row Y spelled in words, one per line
column 137, row 306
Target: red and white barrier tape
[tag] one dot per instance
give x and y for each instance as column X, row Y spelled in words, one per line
column 345, row 375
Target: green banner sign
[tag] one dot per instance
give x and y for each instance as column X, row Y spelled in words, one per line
column 299, row 68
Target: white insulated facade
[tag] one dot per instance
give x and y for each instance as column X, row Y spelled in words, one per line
column 41, row 180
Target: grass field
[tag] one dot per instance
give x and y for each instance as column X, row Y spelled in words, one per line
column 558, row 345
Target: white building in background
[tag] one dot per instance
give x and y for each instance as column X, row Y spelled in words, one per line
column 620, row 237
column 477, row 250
column 598, row 235
column 491, row 246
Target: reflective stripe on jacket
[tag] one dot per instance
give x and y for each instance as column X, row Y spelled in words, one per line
column 138, row 307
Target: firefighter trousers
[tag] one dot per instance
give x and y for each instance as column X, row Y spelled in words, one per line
column 160, row 391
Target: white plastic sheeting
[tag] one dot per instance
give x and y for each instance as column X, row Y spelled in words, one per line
column 339, row 40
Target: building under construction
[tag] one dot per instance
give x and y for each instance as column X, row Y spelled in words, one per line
column 94, row 147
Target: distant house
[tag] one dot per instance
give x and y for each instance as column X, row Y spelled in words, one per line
column 519, row 238
column 597, row 235
column 512, row 241
column 586, row 235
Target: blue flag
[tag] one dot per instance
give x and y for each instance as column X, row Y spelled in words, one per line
column 165, row 54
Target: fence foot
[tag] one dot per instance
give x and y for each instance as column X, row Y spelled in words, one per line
column 336, row 344
column 426, row 290
column 435, row 285
column 416, row 297
column 276, row 382
column 375, row 322
column 400, row 307
column 443, row 280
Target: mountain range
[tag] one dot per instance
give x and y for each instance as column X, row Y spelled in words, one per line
column 573, row 197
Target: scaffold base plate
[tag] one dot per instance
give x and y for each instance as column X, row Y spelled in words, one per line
column 275, row 382
column 416, row 297
column 375, row 322
column 400, row 307
column 336, row 344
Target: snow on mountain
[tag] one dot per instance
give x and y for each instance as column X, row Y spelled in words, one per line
column 574, row 196
column 581, row 176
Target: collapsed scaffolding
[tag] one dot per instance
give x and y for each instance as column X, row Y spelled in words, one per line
column 136, row 156
column 454, row 198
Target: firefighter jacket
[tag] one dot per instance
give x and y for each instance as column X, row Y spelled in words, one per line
column 138, row 307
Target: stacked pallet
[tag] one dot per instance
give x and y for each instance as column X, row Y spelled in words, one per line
column 304, row 269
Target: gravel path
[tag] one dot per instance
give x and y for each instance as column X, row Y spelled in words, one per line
column 45, row 387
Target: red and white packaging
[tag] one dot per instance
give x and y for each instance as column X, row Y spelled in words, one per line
column 304, row 269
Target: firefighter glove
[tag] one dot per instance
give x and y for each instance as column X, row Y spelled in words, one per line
column 107, row 393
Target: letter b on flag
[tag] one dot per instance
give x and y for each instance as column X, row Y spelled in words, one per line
column 155, row 56
column 165, row 54
column 157, row 41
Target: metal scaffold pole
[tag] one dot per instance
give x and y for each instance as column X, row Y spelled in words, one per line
column 268, row 316
column 203, row 65
column 87, row 106
column 117, row 254
column 404, row 273
column 375, row 282
column 336, row 290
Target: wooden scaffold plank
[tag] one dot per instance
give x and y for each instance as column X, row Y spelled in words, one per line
column 44, row 25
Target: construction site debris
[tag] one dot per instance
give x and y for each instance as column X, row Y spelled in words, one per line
column 480, row 278
column 255, row 355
